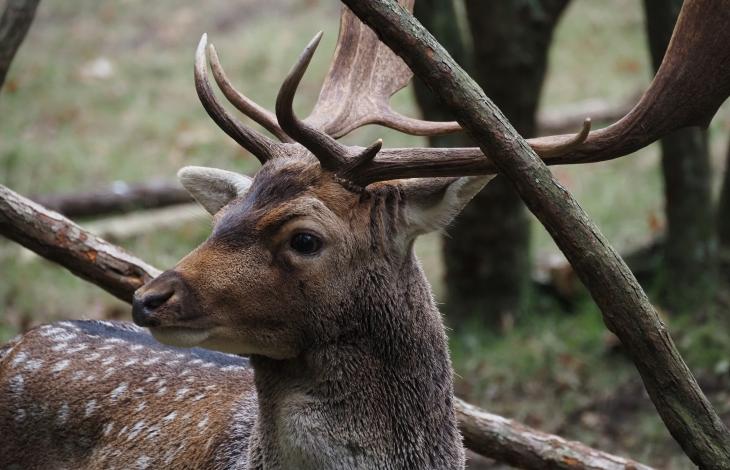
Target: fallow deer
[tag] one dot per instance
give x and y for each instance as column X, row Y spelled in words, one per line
column 309, row 271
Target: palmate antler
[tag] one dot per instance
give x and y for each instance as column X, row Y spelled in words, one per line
column 365, row 74
column 362, row 78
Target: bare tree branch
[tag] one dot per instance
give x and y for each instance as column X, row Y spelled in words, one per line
column 516, row 444
column 126, row 226
column 116, row 271
column 120, row 197
column 14, row 24
column 58, row 239
column 627, row 312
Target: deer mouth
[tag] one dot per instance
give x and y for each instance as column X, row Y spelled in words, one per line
column 180, row 336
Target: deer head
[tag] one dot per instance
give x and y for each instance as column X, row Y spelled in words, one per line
column 320, row 227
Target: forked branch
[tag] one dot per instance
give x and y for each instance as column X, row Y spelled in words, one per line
column 114, row 270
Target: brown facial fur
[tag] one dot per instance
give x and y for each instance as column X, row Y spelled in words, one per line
column 256, row 291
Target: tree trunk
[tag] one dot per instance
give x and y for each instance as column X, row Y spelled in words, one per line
column 14, row 25
column 723, row 211
column 120, row 197
column 487, row 255
column 690, row 251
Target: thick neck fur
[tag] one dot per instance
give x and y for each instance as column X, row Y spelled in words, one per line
column 378, row 394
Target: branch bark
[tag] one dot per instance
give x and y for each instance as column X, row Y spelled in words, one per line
column 120, row 197
column 114, row 270
column 521, row 446
column 14, row 25
column 58, row 239
column 626, row 309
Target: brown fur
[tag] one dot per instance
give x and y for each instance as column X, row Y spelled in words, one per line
column 350, row 361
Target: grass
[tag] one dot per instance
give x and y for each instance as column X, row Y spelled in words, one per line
column 102, row 91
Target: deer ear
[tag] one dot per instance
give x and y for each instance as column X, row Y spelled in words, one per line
column 211, row 187
column 432, row 203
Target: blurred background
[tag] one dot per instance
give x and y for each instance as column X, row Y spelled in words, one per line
column 100, row 97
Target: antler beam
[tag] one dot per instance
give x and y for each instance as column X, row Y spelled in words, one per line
column 110, row 267
column 261, row 146
column 699, row 59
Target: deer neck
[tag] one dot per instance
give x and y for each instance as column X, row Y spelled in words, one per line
column 378, row 395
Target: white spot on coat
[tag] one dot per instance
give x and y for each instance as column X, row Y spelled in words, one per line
column 89, row 408
column 63, row 413
column 59, row 347
column 203, row 422
column 108, row 360
column 117, row 392
column 17, row 384
column 77, row 348
column 60, row 365
column 142, row 462
column 180, row 393
column 19, row 359
column 135, row 430
column 33, row 364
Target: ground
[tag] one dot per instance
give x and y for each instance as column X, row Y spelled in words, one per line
column 102, row 91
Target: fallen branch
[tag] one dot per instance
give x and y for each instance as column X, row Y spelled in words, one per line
column 54, row 237
column 58, row 239
column 516, row 444
column 14, row 25
column 626, row 309
column 120, row 197
column 135, row 224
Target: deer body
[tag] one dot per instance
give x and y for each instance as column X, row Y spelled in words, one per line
column 103, row 395
column 376, row 394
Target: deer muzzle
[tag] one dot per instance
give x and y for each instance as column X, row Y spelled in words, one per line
column 161, row 302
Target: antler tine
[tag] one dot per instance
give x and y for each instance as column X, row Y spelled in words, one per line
column 408, row 125
column 402, row 163
column 331, row 154
column 262, row 147
column 243, row 103
column 361, row 159
column 558, row 145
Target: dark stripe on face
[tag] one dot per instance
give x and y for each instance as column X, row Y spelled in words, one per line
column 272, row 186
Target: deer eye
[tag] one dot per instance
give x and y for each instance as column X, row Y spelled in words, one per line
column 305, row 243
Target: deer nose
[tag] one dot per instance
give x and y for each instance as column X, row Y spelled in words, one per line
column 145, row 306
column 149, row 298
